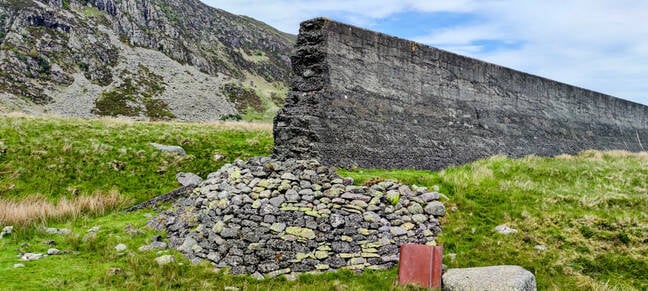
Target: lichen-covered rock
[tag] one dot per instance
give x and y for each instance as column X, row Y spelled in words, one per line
column 435, row 208
column 270, row 217
column 301, row 232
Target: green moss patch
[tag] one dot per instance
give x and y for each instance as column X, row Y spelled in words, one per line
column 91, row 11
column 136, row 96
column 244, row 98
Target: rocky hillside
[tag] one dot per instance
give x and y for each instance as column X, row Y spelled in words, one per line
column 146, row 59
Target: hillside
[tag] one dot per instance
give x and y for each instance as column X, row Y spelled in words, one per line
column 581, row 219
column 150, row 59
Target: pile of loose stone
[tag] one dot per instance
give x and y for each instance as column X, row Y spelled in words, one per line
column 266, row 217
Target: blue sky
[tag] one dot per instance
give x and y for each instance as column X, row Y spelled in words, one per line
column 600, row 45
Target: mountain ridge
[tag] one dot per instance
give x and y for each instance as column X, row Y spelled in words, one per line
column 108, row 56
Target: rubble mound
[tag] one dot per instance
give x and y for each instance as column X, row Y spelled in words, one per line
column 267, row 217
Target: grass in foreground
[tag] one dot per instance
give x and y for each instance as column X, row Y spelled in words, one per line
column 93, row 263
column 65, row 158
column 588, row 210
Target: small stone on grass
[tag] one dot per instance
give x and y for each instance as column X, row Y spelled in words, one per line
column 165, row 260
column 121, row 247
column 52, row 230
column 505, row 229
column 257, row 275
column 6, row 230
column 53, row 252
column 31, row 256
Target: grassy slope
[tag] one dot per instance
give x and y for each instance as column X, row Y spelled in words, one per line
column 588, row 210
column 64, row 157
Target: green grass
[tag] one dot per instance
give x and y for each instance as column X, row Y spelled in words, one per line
column 66, row 157
column 92, row 258
column 91, row 11
column 588, row 210
column 125, row 99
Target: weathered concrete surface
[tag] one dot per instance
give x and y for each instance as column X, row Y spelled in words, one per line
column 363, row 98
column 510, row 278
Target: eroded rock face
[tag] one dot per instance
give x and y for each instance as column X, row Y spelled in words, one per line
column 271, row 217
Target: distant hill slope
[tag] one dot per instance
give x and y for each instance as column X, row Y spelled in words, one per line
column 158, row 59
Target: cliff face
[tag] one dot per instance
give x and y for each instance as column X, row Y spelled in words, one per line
column 138, row 58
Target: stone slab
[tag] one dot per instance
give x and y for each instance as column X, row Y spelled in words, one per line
column 512, row 278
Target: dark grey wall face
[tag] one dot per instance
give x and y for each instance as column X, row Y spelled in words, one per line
column 367, row 99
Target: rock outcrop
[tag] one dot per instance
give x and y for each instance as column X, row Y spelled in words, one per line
column 267, row 217
column 141, row 59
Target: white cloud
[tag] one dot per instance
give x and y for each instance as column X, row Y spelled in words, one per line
column 600, row 45
column 597, row 44
column 286, row 15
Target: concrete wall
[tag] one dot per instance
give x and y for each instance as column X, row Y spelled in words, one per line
column 364, row 98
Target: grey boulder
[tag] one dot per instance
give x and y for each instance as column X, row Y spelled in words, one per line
column 489, row 278
column 171, row 149
column 31, row 256
column 53, row 252
column 187, row 179
column 6, row 230
column 52, row 230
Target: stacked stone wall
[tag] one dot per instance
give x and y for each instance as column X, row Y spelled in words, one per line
column 267, row 217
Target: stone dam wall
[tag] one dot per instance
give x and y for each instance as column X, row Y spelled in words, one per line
column 362, row 98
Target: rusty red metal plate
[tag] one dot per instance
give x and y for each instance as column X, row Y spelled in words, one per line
column 420, row 265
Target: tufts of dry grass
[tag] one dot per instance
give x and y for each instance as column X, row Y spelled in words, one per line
column 242, row 125
column 36, row 209
column 594, row 155
column 224, row 125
